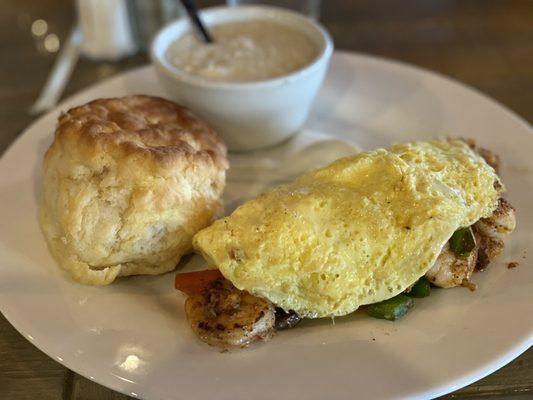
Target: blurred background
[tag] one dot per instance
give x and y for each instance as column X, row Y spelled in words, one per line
column 487, row 44
column 484, row 43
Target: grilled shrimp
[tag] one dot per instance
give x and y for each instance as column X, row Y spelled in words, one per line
column 224, row 316
column 450, row 270
column 492, row 230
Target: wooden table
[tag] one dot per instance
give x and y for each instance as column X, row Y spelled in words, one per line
column 486, row 44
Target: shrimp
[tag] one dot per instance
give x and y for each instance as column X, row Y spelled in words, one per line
column 492, row 231
column 450, row 270
column 224, row 316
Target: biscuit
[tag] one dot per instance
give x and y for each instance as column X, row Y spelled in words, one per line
column 127, row 183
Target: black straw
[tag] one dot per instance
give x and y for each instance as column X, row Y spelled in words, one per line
column 193, row 15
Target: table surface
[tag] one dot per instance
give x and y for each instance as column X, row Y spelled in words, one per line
column 485, row 44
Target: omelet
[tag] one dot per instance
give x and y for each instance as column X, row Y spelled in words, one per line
column 356, row 232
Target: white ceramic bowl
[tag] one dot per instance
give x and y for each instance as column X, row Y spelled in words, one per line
column 248, row 115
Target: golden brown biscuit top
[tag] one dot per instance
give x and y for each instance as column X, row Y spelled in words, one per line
column 150, row 128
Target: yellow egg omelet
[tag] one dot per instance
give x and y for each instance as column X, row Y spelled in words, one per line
column 356, row 232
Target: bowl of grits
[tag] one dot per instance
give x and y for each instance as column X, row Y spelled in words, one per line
column 256, row 82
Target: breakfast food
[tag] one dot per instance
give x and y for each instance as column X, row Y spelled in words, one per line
column 364, row 230
column 127, row 183
column 356, row 232
column 238, row 317
column 244, row 51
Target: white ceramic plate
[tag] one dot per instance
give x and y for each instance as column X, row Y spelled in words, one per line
column 133, row 337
